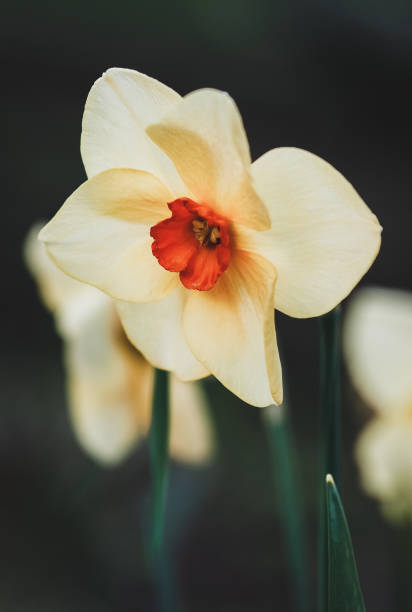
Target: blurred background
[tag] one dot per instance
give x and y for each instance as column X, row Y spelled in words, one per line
column 333, row 78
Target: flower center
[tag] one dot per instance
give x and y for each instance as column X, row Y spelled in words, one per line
column 194, row 241
column 204, row 233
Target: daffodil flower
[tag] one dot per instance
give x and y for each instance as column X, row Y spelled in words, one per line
column 109, row 382
column 198, row 245
column 378, row 350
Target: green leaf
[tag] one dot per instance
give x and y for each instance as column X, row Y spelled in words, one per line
column 330, row 351
column 158, row 444
column 344, row 592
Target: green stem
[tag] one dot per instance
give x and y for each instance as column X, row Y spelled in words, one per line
column 166, row 595
column 164, row 584
column 289, row 502
column 158, row 444
column 329, row 443
column 330, row 395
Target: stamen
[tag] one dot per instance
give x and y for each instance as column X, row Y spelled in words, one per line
column 215, row 235
column 204, row 233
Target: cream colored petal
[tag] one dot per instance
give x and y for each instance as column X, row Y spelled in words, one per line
column 156, row 330
column 109, row 383
column 323, row 237
column 55, row 287
column 231, row 330
column 75, row 314
column 119, row 107
column 204, row 136
column 101, row 235
column 377, row 342
column 110, row 388
column 384, row 455
column 191, row 435
column 73, row 303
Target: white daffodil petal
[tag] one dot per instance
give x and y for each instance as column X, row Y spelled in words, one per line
column 384, row 455
column 204, row 137
column 74, row 316
column 110, row 389
column 231, row 330
column 55, row 287
column 377, row 341
column 323, row 237
column 156, row 330
column 191, row 437
column 119, row 107
column 109, row 383
column 73, row 303
column 101, row 235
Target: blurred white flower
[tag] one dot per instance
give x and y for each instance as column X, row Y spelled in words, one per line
column 378, row 351
column 109, row 382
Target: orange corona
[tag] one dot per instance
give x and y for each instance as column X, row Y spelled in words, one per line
column 195, row 242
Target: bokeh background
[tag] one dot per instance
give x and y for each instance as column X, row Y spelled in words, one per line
column 331, row 77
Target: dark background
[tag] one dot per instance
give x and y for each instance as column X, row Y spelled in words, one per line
column 331, row 77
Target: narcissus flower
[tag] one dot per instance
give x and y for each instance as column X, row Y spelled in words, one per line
column 109, row 382
column 197, row 244
column 378, row 350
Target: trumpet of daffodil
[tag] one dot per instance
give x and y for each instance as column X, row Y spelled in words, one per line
column 109, row 382
column 197, row 244
column 378, row 351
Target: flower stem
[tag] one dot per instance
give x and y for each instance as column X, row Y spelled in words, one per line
column 289, row 503
column 164, row 585
column 158, row 444
column 329, row 443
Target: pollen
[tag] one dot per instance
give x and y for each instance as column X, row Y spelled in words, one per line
column 207, row 235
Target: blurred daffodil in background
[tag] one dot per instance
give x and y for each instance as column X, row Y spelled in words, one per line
column 378, row 351
column 198, row 245
column 109, row 382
